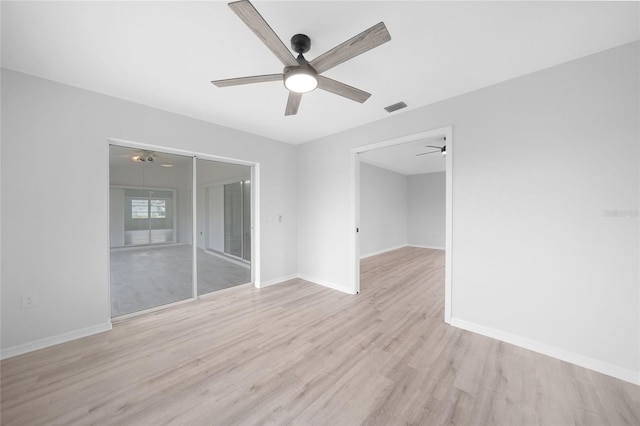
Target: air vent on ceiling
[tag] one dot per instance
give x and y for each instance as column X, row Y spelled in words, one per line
column 395, row 107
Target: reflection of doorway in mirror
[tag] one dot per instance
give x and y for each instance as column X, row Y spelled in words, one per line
column 223, row 225
column 237, row 219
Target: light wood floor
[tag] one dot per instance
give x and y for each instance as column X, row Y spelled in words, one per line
column 298, row 353
column 152, row 276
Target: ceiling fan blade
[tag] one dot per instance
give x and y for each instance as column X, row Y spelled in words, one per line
column 293, row 103
column 163, row 158
column 425, row 153
column 342, row 89
column 247, row 80
column 432, row 146
column 252, row 18
column 366, row 40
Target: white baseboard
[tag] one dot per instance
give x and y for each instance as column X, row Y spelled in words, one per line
column 426, row 246
column 53, row 340
column 146, row 246
column 328, row 284
column 364, row 256
column 552, row 351
column 230, row 259
column 268, row 283
column 375, row 253
column 318, row 281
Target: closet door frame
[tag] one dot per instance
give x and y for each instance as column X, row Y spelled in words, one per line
column 255, row 215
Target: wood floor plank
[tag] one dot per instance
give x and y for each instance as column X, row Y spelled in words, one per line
column 299, row 353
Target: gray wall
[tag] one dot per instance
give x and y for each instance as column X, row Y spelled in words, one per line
column 383, row 210
column 211, row 178
column 537, row 162
column 398, row 210
column 426, row 212
column 68, row 128
column 216, row 215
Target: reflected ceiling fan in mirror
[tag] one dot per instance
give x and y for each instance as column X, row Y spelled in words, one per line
column 441, row 149
column 150, row 157
column 300, row 76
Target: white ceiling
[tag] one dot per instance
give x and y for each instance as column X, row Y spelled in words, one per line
column 207, row 171
column 164, row 54
column 404, row 159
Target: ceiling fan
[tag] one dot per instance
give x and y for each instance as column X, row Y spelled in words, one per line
column 149, row 157
column 299, row 75
column 441, row 149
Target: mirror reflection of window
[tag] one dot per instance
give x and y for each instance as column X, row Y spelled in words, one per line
column 139, row 209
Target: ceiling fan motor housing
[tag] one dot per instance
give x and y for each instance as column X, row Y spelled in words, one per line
column 300, row 43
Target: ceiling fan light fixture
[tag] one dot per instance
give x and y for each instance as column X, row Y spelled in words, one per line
column 300, row 79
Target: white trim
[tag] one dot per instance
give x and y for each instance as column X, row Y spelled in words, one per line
column 107, row 157
column 447, row 132
column 355, row 226
column 54, row 340
column 327, row 284
column 228, row 258
column 377, row 252
column 448, row 256
column 151, row 310
column 255, row 225
column 552, row 351
column 194, row 228
column 426, row 246
column 278, row 280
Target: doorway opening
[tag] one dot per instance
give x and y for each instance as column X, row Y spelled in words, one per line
column 381, row 156
column 168, row 217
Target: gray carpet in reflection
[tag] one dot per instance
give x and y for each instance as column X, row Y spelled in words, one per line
column 144, row 278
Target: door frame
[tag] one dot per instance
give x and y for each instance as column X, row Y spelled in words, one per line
column 447, row 132
column 255, row 214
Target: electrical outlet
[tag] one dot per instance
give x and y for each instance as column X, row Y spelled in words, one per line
column 29, row 300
